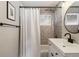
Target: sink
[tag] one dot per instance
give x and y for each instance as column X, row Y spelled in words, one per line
column 65, row 46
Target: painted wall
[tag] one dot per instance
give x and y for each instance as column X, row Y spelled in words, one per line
column 9, row 36
column 65, row 6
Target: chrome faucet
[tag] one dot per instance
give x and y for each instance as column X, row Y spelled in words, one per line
column 69, row 39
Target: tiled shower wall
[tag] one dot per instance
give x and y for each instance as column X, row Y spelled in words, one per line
column 46, row 28
column 58, row 22
column 55, row 29
column 46, row 32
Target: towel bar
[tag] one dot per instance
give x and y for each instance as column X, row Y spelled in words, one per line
column 1, row 24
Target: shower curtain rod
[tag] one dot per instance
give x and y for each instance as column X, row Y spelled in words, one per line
column 38, row 7
column 74, row 6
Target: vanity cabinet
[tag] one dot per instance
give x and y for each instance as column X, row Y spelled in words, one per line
column 54, row 51
column 59, row 47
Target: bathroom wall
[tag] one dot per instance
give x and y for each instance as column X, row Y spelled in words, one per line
column 58, row 22
column 46, row 26
column 65, row 6
column 9, row 36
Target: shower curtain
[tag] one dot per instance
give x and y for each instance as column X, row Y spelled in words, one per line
column 30, row 32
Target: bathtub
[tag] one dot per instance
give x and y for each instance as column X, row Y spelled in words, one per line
column 44, row 50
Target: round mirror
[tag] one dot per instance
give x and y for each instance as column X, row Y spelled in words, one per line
column 71, row 19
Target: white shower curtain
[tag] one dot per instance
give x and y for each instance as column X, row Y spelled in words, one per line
column 30, row 32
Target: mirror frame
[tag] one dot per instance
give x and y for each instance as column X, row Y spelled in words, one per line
column 65, row 25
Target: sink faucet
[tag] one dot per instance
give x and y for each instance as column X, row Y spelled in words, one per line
column 69, row 39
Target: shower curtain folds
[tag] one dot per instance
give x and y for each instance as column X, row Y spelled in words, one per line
column 30, row 32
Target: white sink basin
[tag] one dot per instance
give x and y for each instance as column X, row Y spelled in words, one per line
column 65, row 46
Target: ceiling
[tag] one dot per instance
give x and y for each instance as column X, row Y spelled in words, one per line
column 40, row 3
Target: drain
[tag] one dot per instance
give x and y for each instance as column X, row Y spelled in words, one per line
column 64, row 46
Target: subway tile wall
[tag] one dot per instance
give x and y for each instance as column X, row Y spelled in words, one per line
column 58, row 23
column 46, row 32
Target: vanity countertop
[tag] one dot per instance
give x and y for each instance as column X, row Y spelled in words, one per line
column 65, row 46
